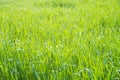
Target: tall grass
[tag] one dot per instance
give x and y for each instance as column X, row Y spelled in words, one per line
column 59, row 39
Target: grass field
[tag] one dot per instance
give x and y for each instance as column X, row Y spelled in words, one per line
column 59, row 39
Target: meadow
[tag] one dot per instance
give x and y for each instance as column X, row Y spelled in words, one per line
column 59, row 39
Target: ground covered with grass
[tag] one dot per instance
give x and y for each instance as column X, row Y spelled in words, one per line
column 59, row 39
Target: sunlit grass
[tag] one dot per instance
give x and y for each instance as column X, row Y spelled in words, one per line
column 59, row 39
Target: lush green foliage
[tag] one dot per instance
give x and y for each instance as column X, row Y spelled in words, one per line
column 59, row 39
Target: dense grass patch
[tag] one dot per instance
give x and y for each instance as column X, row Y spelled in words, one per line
column 59, row 39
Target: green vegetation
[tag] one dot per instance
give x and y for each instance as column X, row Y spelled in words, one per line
column 59, row 39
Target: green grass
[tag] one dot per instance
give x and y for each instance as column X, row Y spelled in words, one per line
column 59, row 39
